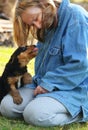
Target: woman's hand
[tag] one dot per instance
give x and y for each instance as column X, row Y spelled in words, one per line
column 40, row 90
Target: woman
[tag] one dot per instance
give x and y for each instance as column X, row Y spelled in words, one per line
column 58, row 94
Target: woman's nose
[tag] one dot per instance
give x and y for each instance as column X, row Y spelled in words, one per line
column 37, row 24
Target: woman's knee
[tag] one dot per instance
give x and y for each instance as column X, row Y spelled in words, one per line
column 11, row 110
column 7, row 107
column 39, row 112
column 34, row 114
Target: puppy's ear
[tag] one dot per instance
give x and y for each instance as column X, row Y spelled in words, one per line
column 22, row 59
column 22, row 55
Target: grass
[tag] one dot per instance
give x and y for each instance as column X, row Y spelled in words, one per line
column 8, row 124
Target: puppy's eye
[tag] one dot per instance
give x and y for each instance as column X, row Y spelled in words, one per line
column 23, row 48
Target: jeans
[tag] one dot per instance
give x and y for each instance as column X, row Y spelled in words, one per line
column 39, row 111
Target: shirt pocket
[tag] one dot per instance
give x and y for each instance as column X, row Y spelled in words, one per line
column 55, row 57
column 55, row 51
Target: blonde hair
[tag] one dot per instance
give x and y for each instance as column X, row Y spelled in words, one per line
column 22, row 30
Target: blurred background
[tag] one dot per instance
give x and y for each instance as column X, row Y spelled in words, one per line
column 6, row 14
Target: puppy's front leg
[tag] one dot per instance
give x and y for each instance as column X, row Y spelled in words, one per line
column 27, row 78
column 17, row 99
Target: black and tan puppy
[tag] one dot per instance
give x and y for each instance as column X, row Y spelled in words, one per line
column 15, row 71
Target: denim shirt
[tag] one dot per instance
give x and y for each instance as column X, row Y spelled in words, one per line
column 61, row 66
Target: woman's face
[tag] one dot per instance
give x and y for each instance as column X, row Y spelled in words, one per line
column 32, row 16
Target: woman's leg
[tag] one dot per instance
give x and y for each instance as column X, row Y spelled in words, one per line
column 46, row 111
column 11, row 110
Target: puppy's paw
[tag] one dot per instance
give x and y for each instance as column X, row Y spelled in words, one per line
column 17, row 100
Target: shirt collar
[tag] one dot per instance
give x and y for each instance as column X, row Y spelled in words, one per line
column 61, row 11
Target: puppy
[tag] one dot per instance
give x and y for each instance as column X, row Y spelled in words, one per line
column 15, row 71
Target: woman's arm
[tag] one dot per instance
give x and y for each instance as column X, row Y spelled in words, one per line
column 75, row 57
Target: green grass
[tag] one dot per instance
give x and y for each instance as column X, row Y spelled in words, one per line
column 8, row 124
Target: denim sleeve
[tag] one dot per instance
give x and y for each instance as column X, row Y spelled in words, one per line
column 75, row 57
